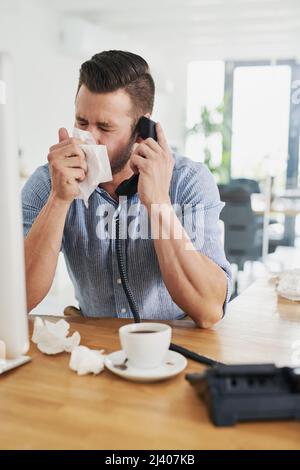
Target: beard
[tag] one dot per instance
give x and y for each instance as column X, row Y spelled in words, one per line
column 118, row 163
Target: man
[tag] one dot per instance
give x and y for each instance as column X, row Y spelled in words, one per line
column 169, row 276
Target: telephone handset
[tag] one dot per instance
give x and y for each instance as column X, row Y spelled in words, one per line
column 145, row 129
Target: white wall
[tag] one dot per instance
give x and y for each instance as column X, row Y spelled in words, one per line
column 45, row 79
column 47, row 74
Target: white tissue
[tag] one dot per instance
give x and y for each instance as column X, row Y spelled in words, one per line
column 51, row 338
column 86, row 136
column 99, row 169
column 289, row 285
column 86, row 361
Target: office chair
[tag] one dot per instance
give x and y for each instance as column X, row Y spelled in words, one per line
column 243, row 237
column 249, row 185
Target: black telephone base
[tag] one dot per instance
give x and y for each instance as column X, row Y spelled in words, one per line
column 249, row 392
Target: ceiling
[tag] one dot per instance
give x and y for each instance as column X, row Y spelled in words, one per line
column 197, row 25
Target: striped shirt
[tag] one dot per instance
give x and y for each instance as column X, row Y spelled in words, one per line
column 89, row 249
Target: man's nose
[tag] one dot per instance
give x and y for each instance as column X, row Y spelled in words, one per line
column 96, row 133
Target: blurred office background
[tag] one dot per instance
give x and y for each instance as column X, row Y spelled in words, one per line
column 228, row 94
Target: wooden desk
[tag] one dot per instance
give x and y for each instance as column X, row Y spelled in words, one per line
column 44, row 405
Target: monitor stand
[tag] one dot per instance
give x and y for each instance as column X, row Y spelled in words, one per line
column 8, row 364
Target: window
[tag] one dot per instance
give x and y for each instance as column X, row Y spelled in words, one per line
column 260, row 122
column 205, row 84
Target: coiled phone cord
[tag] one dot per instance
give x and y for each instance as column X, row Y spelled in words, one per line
column 134, row 308
column 123, row 275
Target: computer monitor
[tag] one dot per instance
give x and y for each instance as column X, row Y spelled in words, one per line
column 13, row 313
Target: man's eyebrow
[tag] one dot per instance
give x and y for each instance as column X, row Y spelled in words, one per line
column 104, row 124
column 99, row 123
column 80, row 118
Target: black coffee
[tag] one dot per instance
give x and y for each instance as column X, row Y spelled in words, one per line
column 144, row 331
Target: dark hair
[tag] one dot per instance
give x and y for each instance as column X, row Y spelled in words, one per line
column 111, row 70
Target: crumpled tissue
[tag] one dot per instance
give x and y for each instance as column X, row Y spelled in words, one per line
column 85, row 361
column 289, row 285
column 51, row 338
column 98, row 164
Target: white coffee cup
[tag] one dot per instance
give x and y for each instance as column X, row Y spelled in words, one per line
column 145, row 344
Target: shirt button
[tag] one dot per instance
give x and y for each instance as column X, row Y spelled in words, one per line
column 119, row 281
column 123, row 310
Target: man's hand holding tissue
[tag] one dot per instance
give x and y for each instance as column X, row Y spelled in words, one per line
column 68, row 167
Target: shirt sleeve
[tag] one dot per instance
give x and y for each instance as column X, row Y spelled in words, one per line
column 35, row 194
column 201, row 207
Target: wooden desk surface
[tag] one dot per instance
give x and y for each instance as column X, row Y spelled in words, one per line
column 44, row 405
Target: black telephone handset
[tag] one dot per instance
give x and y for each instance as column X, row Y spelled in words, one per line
column 145, row 129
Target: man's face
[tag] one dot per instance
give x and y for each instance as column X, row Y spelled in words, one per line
column 109, row 117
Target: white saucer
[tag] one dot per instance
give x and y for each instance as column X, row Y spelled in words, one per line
column 174, row 363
